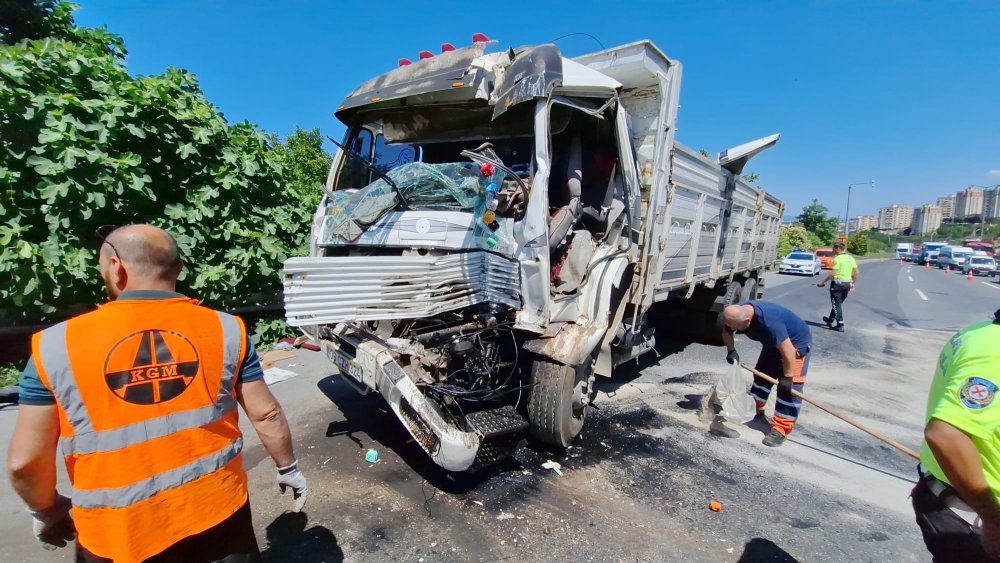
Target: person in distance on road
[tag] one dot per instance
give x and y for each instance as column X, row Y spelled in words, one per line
column 785, row 357
column 141, row 395
column 842, row 278
column 956, row 499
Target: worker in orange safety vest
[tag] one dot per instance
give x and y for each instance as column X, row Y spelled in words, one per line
column 141, row 395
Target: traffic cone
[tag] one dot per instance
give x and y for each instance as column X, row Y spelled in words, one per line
column 968, row 277
column 947, row 270
column 927, row 265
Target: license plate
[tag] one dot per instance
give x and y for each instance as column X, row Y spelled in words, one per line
column 347, row 365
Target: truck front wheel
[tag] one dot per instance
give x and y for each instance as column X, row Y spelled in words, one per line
column 557, row 401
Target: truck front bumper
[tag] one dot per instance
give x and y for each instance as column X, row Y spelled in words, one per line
column 367, row 360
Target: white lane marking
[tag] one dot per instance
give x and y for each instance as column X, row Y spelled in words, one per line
column 990, row 284
column 921, row 294
column 911, row 278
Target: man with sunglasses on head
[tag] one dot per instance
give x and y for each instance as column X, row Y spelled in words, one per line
column 141, row 396
column 786, row 343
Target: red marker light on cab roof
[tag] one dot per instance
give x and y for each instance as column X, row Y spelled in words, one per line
column 426, row 55
column 404, row 62
column 445, row 47
column 479, row 38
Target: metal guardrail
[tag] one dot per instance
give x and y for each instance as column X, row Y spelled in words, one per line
column 16, row 330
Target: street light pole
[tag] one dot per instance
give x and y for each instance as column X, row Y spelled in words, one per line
column 847, row 212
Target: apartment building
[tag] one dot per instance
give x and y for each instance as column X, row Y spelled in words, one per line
column 968, row 203
column 926, row 219
column 862, row 223
column 895, row 217
column 991, row 207
column 947, row 205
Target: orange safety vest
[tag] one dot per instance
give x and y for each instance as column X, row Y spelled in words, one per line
column 148, row 425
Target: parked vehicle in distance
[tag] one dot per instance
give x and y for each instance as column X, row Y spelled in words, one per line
column 929, row 252
column 825, row 256
column 981, row 245
column 903, row 249
column 914, row 255
column 980, row 265
column 801, row 262
column 953, row 257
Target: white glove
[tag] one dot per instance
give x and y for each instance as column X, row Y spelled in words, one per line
column 291, row 477
column 53, row 526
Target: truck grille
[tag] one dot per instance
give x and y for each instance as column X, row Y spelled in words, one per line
column 364, row 288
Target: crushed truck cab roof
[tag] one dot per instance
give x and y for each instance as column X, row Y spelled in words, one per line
column 502, row 79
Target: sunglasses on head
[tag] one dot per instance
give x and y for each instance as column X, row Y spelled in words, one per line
column 101, row 235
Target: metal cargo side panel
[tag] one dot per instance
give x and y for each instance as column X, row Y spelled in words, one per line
column 708, row 242
column 735, row 254
column 643, row 107
column 675, row 255
column 698, row 204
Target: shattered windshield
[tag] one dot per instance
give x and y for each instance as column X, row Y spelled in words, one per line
column 452, row 186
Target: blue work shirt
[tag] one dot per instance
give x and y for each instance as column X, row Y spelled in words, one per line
column 772, row 324
column 34, row 393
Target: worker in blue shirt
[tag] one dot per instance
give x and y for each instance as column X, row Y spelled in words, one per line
column 785, row 357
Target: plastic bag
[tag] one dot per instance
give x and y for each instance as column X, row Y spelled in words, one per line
column 732, row 392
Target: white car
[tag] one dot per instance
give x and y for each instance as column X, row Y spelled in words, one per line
column 979, row 266
column 801, row 262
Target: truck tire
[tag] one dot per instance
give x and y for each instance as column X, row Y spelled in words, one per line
column 557, row 402
column 712, row 328
column 749, row 292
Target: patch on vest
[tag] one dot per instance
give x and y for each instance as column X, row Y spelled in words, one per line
column 150, row 367
column 977, row 393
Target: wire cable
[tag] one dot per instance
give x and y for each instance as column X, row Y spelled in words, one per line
column 596, row 40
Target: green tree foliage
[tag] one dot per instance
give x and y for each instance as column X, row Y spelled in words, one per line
column 83, row 143
column 816, row 221
column 305, row 166
column 792, row 237
column 858, row 244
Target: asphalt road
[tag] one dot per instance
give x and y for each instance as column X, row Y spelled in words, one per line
column 636, row 485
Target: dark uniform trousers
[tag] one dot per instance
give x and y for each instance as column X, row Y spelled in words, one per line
column 948, row 537
column 838, row 294
column 230, row 541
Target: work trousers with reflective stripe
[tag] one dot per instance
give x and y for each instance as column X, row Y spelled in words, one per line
column 786, row 407
column 839, row 290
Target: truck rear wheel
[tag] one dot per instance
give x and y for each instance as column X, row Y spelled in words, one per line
column 557, row 402
column 749, row 292
column 712, row 332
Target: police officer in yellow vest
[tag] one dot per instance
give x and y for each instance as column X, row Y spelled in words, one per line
column 141, row 396
column 956, row 498
column 842, row 278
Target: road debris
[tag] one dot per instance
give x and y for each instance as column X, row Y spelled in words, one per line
column 554, row 466
column 715, row 506
column 274, row 375
column 371, row 456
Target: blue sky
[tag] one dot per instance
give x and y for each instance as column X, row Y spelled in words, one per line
column 905, row 93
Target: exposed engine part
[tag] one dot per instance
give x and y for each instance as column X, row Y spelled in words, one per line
column 463, row 359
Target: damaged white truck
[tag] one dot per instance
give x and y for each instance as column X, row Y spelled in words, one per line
column 500, row 228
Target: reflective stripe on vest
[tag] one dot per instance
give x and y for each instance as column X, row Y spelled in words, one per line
column 125, row 496
column 53, row 355
column 52, row 348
